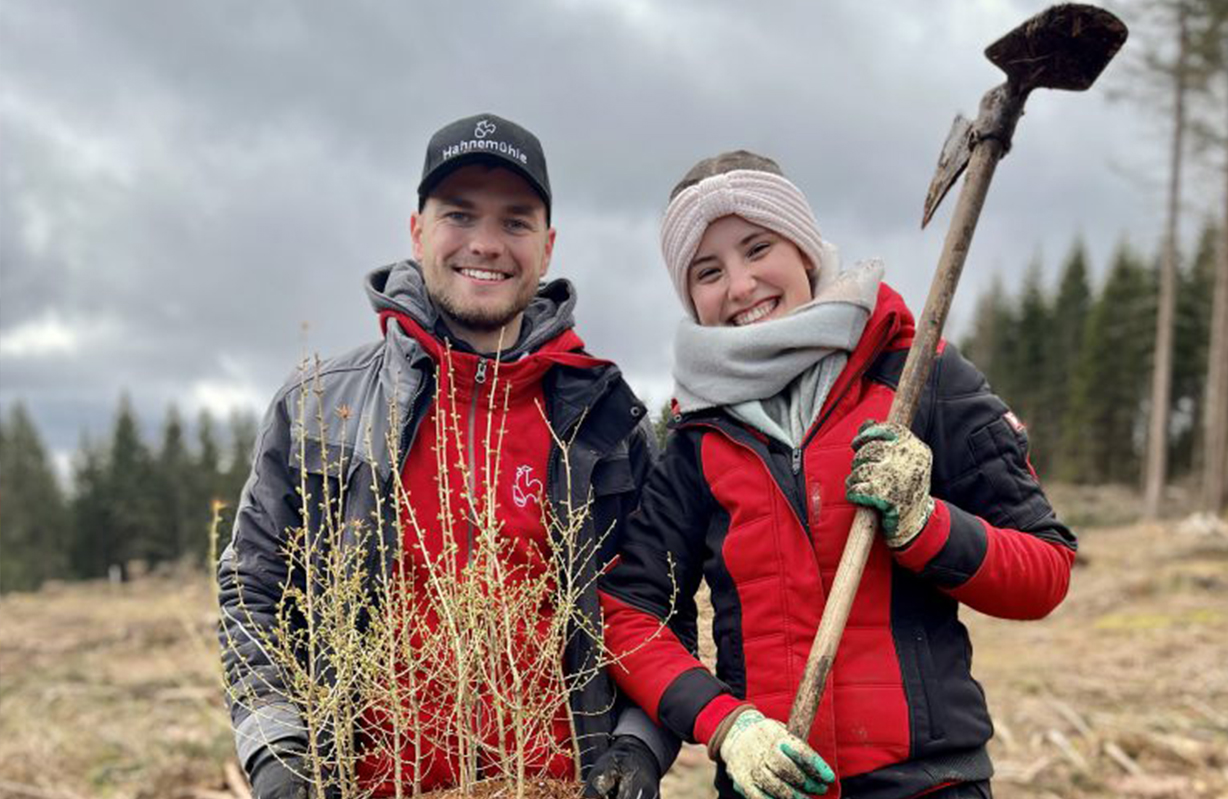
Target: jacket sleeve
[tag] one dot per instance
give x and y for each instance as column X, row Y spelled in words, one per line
column 251, row 572
column 993, row 542
column 630, row 719
column 648, row 597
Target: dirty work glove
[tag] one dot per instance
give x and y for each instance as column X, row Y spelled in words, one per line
column 765, row 761
column 275, row 773
column 627, row 770
column 891, row 474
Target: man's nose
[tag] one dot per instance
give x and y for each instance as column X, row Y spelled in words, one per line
column 486, row 240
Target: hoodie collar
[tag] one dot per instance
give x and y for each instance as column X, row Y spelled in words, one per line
column 398, row 289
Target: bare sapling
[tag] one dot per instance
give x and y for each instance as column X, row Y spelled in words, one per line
column 420, row 640
column 308, row 638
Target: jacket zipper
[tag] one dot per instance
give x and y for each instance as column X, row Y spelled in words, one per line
column 814, row 431
column 479, row 380
column 796, row 465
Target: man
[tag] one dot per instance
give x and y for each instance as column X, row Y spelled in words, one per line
column 471, row 301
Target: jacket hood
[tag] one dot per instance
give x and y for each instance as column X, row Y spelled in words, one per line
column 399, row 289
column 890, row 327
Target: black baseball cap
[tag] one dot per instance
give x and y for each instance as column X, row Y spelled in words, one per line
column 485, row 138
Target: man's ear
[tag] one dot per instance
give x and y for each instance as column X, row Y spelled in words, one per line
column 549, row 251
column 415, row 234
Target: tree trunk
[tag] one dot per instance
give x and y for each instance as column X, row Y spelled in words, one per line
column 1155, row 473
column 1215, row 414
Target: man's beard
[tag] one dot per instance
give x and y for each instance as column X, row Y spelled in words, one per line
column 485, row 319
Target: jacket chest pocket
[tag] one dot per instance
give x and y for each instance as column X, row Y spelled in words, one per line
column 329, row 471
column 613, row 476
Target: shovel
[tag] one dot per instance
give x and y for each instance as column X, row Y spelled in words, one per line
column 1064, row 47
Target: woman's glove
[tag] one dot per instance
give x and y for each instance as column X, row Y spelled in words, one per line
column 765, row 761
column 627, row 770
column 891, row 474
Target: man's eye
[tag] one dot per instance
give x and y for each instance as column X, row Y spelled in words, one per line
column 518, row 225
column 459, row 217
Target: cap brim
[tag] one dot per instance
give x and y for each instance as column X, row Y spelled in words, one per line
column 430, row 181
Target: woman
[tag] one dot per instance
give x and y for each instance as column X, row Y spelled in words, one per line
column 780, row 370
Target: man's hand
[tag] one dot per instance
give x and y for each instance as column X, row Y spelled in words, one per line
column 275, row 775
column 891, row 474
column 765, row 761
column 627, row 770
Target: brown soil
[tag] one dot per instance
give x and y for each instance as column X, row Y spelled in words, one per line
column 505, row 789
column 1123, row 692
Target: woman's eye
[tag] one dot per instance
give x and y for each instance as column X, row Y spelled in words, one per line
column 758, row 248
column 707, row 275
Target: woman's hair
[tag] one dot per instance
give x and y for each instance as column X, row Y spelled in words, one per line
column 725, row 162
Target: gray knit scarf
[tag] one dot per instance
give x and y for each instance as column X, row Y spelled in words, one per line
column 776, row 374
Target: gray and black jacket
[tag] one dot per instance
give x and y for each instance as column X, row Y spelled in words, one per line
column 611, row 452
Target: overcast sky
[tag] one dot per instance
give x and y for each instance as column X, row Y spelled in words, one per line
column 193, row 191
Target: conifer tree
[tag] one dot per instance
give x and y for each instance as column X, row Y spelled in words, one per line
column 1209, row 51
column 208, row 460
column 1070, row 311
column 181, row 520
column 33, row 528
column 1031, row 397
column 993, row 344
column 1105, row 432
column 1195, row 289
column 131, row 492
column 96, row 546
column 981, row 345
column 239, row 463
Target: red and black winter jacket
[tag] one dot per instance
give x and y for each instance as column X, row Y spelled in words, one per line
column 766, row 526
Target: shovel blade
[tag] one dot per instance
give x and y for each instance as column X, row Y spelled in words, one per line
column 1065, row 46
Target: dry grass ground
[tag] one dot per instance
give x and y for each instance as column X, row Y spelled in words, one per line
column 112, row 691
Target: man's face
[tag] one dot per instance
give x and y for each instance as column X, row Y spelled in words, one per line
column 484, row 244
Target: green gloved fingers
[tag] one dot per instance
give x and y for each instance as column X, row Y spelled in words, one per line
column 871, row 430
column 891, row 475
column 816, row 768
column 765, row 761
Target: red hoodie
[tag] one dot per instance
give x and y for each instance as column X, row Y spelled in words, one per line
column 484, row 447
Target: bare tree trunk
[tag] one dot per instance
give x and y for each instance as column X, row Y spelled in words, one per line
column 1155, row 474
column 1215, row 418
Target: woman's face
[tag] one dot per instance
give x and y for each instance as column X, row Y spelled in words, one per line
column 743, row 273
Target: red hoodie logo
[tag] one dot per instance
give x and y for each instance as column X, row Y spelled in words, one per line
column 526, row 487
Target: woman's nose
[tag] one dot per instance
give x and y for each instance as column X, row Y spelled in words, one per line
column 741, row 282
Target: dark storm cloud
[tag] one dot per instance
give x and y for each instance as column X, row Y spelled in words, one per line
column 186, row 185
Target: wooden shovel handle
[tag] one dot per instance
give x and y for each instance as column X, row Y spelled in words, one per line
column 921, row 356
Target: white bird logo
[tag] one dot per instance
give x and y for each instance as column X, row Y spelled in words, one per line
column 526, row 487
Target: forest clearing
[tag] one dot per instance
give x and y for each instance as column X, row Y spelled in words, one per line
column 114, row 691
